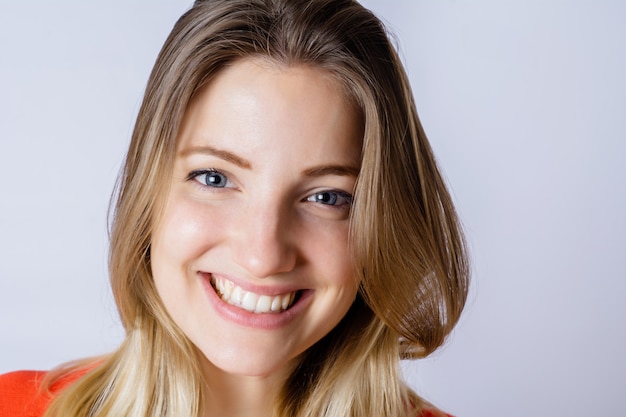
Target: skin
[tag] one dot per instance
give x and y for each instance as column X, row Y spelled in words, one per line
column 267, row 158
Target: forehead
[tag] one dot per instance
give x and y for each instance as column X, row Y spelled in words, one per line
column 255, row 97
column 337, row 82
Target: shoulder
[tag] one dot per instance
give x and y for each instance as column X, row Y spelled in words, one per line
column 430, row 413
column 27, row 393
column 21, row 394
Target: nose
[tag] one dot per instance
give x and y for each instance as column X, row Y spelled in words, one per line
column 261, row 242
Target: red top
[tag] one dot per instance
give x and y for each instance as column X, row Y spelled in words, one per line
column 22, row 395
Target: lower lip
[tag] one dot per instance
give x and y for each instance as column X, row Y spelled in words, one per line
column 245, row 318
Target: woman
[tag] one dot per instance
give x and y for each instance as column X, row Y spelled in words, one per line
column 282, row 235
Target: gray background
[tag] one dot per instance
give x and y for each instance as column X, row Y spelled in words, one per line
column 524, row 102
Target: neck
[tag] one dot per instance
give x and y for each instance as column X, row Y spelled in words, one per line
column 229, row 395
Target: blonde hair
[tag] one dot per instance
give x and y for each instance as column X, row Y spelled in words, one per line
column 406, row 241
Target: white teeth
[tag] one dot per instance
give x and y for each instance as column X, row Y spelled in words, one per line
column 249, row 301
column 277, row 304
column 264, row 303
column 237, row 296
column 286, row 301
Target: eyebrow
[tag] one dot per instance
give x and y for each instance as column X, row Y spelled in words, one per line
column 319, row 171
column 220, row 153
column 340, row 170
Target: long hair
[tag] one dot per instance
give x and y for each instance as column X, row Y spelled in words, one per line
column 406, row 242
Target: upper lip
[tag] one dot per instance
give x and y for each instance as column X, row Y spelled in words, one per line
column 270, row 290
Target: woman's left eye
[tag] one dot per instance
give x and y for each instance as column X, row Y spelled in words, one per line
column 331, row 198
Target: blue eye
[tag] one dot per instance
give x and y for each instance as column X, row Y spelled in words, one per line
column 331, row 198
column 210, row 178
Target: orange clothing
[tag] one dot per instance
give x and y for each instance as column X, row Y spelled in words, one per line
column 21, row 393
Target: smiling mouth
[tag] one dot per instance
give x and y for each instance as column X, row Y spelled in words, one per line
column 250, row 301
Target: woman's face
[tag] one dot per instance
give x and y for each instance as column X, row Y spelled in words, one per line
column 250, row 256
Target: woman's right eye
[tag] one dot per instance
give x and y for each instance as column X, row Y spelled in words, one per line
column 210, row 178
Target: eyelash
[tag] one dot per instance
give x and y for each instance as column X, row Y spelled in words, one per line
column 195, row 175
column 336, row 195
column 318, row 197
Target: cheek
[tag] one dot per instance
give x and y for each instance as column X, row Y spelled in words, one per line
column 185, row 231
column 184, row 234
column 328, row 250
